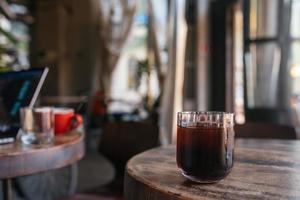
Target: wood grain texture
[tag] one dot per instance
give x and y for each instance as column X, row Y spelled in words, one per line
column 18, row 160
column 263, row 169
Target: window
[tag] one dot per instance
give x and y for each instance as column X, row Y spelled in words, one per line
column 272, row 52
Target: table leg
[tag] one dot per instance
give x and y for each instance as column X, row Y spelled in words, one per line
column 7, row 189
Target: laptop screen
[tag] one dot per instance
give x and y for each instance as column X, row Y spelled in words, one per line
column 18, row 89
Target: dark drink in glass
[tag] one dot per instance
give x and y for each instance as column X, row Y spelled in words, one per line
column 205, row 145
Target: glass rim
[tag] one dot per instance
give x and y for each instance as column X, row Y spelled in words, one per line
column 39, row 108
column 205, row 112
column 205, row 119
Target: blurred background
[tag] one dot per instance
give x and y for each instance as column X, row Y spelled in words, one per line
column 128, row 66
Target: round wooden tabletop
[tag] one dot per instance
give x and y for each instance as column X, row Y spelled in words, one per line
column 263, row 169
column 18, row 160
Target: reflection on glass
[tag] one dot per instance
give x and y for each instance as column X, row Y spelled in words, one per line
column 262, row 71
column 263, row 18
column 295, row 17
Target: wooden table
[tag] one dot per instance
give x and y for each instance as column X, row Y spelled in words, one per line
column 263, row 169
column 19, row 160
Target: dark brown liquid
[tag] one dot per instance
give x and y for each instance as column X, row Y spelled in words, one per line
column 205, row 153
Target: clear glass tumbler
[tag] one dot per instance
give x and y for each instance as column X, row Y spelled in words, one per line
column 37, row 125
column 205, row 145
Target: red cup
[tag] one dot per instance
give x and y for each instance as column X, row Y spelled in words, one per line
column 65, row 120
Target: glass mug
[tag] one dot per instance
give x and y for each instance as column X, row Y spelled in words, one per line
column 37, row 125
column 205, row 145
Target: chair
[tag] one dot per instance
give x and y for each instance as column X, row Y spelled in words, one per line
column 122, row 140
column 270, row 115
column 265, row 130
